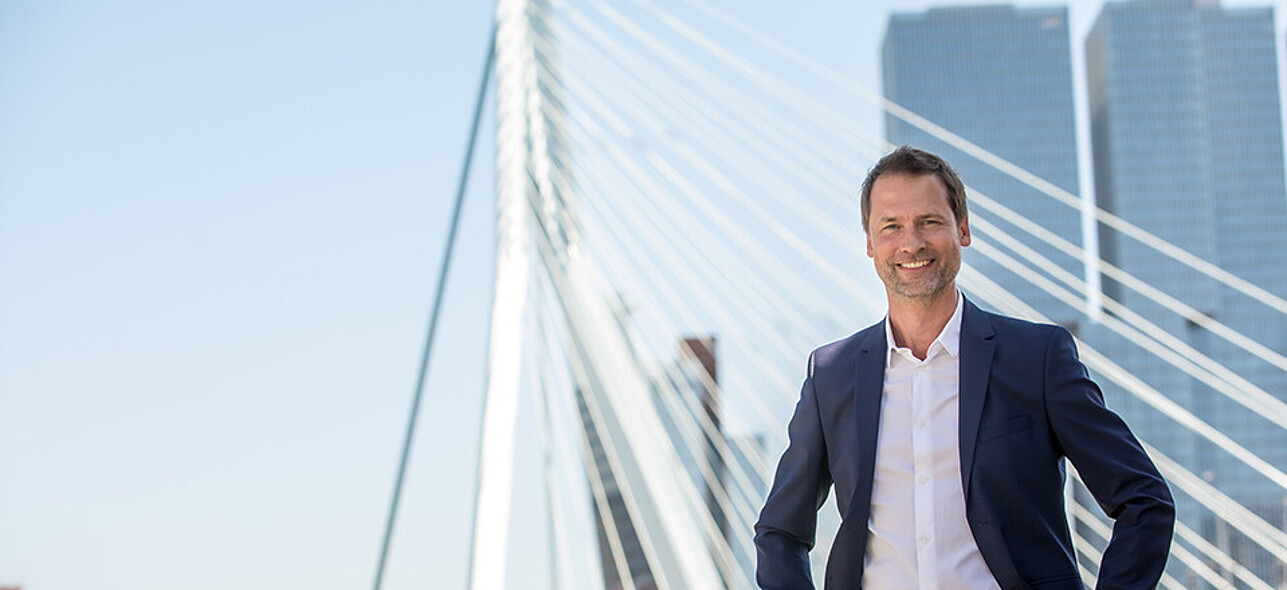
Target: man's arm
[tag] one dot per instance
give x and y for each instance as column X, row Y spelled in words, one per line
column 785, row 531
column 1115, row 469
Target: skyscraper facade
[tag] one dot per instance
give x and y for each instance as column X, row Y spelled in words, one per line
column 1000, row 77
column 1187, row 141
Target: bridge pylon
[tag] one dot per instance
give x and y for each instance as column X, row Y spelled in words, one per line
column 538, row 236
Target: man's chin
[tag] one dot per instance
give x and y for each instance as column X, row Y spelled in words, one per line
column 920, row 293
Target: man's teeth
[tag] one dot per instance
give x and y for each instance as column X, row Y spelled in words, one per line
column 917, row 264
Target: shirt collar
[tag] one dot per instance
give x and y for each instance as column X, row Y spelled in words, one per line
column 949, row 339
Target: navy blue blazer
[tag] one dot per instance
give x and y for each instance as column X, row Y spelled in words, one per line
column 1026, row 402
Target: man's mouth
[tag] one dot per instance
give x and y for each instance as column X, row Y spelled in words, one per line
column 914, row 264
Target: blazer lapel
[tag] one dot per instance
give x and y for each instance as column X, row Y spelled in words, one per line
column 869, row 383
column 977, row 347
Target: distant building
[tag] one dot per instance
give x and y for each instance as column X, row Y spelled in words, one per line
column 1001, row 77
column 1187, row 141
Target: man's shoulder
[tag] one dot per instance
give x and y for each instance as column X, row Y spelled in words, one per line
column 1008, row 327
column 845, row 349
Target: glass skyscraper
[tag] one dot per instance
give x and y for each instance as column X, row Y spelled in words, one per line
column 1001, row 77
column 1187, row 141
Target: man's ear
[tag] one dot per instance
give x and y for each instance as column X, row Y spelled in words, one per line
column 871, row 253
column 965, row 232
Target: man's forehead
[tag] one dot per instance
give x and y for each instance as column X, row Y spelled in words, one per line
column 906, row 189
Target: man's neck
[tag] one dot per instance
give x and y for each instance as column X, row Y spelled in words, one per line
column 916, row 323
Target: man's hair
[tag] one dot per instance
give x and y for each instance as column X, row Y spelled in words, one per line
column 911, row 161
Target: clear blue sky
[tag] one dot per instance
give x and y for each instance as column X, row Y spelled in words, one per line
column 220, row 228
column 220, row 225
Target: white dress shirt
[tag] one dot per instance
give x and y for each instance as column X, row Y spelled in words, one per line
column 918, row 536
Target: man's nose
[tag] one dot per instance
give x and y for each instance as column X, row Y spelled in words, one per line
column 911, row 240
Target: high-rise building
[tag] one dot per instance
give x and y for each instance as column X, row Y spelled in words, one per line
column 1000, row 77
column 1187, row 141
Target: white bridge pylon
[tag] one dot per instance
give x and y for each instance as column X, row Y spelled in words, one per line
column 536, row 219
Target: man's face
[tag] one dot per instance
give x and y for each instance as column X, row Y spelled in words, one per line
column 914, row 239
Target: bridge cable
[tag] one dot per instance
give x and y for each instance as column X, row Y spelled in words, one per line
column 437, row 307
column 632, row 87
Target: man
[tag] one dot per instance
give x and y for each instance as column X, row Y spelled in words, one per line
column 944, row 429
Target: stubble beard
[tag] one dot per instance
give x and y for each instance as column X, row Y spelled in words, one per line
column 923, row 291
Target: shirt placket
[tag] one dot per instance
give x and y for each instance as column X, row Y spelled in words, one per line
column 923, row 482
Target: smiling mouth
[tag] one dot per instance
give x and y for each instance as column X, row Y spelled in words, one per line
column 914, row 264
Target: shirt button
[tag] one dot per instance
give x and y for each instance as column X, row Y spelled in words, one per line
column 924, row 539
column 924, row 478
column 920, row 423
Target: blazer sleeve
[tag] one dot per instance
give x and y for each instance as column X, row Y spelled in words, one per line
column 1114, row 467
column 785, row 531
